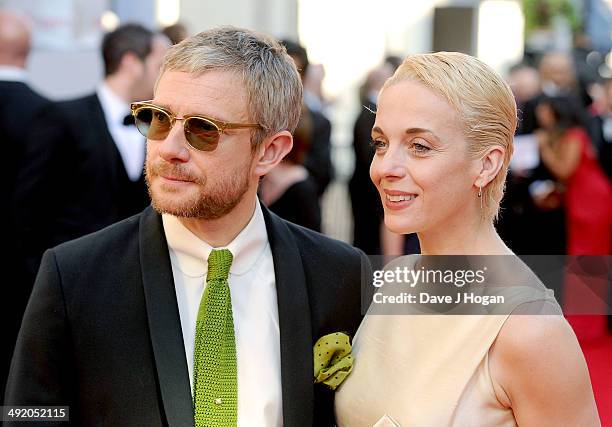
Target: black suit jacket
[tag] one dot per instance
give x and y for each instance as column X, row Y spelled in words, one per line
column 102, row 330
column 365, row 200
column 73, row 181
column 19, row 105
column 318, row 158
column 603, row 145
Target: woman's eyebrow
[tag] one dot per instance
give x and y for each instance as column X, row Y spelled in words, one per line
column 433, row 137
column 409, row 131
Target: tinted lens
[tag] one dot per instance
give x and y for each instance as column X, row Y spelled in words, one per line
column 201, row 134
column 152, row 123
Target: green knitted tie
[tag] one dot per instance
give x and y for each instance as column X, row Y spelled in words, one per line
column 215, row 381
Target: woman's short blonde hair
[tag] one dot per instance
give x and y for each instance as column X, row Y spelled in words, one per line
column 483, row 100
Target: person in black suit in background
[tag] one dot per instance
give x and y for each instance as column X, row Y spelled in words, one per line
column 109, row 329
column 369, row 233
column 365, row 201
column 603, row 130
column 318, row 158
column 82, row 168
column 19, row 104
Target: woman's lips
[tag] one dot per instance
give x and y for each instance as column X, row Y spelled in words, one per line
column 397, row 200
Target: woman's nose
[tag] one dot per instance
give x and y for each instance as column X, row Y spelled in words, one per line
column 391, row 164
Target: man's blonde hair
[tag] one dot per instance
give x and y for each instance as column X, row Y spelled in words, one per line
column 483, row 101
column 273, row 85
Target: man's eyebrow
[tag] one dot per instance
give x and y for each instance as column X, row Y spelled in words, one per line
column 161, row 105
column 171, row 111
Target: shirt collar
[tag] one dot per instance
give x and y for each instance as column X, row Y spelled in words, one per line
column 191, row 253
column 13, row 74
column 115, row 109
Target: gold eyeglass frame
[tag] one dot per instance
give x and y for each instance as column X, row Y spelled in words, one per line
column 219, row 124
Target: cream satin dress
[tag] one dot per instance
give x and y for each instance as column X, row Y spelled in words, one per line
column 424, row 371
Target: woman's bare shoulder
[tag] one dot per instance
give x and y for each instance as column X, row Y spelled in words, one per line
column 539, row 370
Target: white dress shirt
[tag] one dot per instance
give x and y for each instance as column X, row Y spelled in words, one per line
column 607, row 127
column 254, row 307
column 129, row 142
column 13, row 74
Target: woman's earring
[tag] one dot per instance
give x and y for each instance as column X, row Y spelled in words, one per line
column 480, row 196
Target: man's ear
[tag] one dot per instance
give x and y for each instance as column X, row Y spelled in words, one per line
column 272, row 150
column 132, row 64
column 492, row 163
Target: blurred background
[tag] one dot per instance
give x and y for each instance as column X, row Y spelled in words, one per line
column 555, row 54
column 345, row 41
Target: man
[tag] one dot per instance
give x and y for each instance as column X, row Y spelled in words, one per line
column 83, row 164
column 520, row 208
column 557, row 78
column 318, row 159
column 176, row 33
column 119, row 322
column 19, row 104
column 603, row 126
column 524, row 80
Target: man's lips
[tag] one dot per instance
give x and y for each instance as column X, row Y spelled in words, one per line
column 175, row 178
column 171, row 173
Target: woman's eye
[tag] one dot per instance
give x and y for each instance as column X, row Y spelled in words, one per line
column 419, row 148
column 378, row 144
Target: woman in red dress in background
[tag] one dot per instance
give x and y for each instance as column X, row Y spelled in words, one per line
column 567, row 152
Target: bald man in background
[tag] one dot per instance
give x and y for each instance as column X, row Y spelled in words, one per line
column 19, row 105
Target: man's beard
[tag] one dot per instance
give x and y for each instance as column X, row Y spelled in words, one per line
column 215, row 203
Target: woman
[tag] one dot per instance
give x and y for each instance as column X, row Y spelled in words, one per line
column 289, row 190
column 443, row 139
column 567, row 152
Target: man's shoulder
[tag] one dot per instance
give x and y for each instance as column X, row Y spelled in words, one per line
column 67, row 111
column 21, row 90
column 106, row 242
column 78, row 101
column 62, row 121
column 78, row 105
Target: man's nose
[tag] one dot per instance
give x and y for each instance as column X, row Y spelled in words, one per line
column 174, row 147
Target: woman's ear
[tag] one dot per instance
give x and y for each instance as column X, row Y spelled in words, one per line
column 492, row 163
column 272, row 150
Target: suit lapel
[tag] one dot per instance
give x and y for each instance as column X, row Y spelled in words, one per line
column 295, row 324
column 164, row 321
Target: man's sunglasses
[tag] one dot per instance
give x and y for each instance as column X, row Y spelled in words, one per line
column 201, row 132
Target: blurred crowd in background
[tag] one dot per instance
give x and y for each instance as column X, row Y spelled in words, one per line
column 76, row 166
